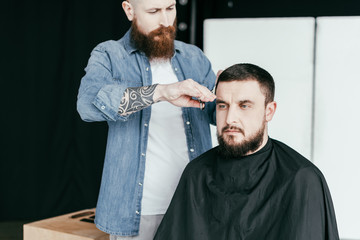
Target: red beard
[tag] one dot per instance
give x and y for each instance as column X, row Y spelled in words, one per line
column 159, row 43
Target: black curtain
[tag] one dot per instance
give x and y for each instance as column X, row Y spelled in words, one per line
column 50, row 160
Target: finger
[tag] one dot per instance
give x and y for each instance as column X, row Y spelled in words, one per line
column 206, row 94
column 187, row 88
column 195, row 104
column 194, row 89
column 203, row 92
column 184, row 88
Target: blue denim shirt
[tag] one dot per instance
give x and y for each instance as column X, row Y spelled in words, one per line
column 113, row 67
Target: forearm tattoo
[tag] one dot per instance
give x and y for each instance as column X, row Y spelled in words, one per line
column 136, row 99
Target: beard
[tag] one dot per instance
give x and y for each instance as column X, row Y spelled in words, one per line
column 159, row 43
column 229, row 149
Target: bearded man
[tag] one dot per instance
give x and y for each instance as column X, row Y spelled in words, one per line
column 250, row 187
column 148, row 144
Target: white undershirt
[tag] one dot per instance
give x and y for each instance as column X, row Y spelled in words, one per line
column 167, row 153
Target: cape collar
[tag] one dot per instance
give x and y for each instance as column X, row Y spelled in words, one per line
column 242, row 174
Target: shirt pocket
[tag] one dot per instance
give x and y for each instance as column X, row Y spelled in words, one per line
column 128, row 78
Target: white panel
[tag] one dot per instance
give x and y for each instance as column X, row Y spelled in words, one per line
column 282, row 46
column 337, row 116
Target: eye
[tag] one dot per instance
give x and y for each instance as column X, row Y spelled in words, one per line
column 153, row 11
column 221, row 106
column 244, row 106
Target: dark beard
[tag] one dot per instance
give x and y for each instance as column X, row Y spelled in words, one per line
column 229, row 151
column 162, row 47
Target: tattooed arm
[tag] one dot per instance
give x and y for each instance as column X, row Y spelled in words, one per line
column 136, row 98
column 179, row 94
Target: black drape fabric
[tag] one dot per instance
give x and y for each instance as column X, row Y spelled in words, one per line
column 274, row 194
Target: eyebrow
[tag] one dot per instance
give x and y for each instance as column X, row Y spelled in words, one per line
column 218, row 101
column 246, row 101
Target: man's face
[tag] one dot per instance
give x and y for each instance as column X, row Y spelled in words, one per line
column 241, row 116
column 152, row 14
column 153, row 26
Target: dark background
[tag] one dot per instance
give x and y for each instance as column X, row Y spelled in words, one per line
column 51, row 161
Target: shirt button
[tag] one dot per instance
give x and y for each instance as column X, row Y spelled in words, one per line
column 145, row 125
column 147, row 69
column 175, row 69
column 142, row 154
column 188, row 123
column 192, row 150
column 102, row 107
column 140, row 184
column 137, row 212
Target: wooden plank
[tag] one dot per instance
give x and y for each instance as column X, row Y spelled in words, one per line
column 72, row 226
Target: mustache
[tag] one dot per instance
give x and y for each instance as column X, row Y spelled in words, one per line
column 162, row 30
column 232, row 127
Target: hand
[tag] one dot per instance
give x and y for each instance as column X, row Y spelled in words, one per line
column 181, row 94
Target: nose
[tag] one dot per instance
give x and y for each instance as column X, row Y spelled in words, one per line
column 232, row 116
column 164, row 21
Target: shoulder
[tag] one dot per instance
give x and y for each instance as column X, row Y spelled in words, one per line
column 303, row 169
column 188, row 50
column 310, row 182
column 309, row 174
column 289, row 155
column 109, row 44
column 195, row 64
column 111, row 48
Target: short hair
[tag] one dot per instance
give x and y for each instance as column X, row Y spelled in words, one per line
column 247, row 71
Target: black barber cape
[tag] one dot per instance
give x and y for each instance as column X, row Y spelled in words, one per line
column 273, row 194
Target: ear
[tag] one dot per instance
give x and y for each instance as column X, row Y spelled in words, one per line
column 270, row 111
column 128, row 9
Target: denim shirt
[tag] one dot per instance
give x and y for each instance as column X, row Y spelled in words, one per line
column 114, row 66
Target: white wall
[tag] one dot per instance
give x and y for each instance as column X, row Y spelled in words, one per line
column 325, row 128
column 337, row 116
column 282, row 46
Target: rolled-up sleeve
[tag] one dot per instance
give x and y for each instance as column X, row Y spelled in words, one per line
column 99, row 94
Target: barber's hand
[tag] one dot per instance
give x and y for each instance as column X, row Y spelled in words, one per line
column 181, row 93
